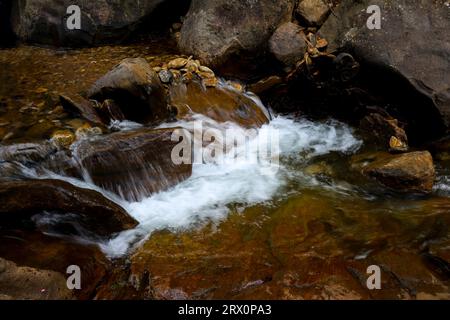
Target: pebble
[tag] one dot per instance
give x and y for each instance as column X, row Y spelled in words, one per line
column 177, row 63
column 166, row 76
column 63, row 138
column 205, row 69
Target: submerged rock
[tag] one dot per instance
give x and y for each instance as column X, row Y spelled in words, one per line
column 27, row 153
column 218, row 103
column 24, row 283
column 215, row 31
column 408, row 172
column 97, row 214
column 136, row 89
column 132, row 164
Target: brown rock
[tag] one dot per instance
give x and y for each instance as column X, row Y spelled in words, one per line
column 408, row 172
column 79, row 106
column 23, row 199
column 133, row 164
column 136, row 89
column 63, row 138
column 287, row 44
column 220, row 104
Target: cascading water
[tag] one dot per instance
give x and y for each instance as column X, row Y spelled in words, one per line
column 240, row 176
column 206, row 194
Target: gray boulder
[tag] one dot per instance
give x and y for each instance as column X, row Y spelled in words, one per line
column 215, row 31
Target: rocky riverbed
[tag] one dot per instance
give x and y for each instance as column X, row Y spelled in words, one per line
column 360, row 174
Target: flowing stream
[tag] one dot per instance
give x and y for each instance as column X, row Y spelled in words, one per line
column 300, row 222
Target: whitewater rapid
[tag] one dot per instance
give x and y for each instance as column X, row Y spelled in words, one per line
column 212, row 187
column 205, row 196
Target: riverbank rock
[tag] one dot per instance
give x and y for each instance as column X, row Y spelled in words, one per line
column 313, row 12
column 409, row 172
column 393, row 50
column 215, row 31
column 132, row 164
column 27, row 153
column 45, row 21
column 23, row 199
column 24, row 283
column 287, row 44
column 219, row 103
column 135, row 88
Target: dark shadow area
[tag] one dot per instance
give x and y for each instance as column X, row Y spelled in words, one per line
column 374, row 89
column 157, row 25
column 6, row 35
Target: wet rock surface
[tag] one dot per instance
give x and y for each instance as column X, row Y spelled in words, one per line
column 33, row 249
column 24, row 283
column 220, row 104
column 80, row 106
column 136, row 88
column 23, row 199
column 133, row 164
column 319, row 254
column 408, row 172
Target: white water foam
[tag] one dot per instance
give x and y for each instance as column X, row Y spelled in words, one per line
column 206, row 194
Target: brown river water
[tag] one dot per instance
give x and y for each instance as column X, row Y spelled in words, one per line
column 312, row 238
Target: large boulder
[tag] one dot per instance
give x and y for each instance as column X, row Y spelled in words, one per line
column 216, row 31
column 136, row 89
column 44, row 21
column 23, row 199
column 409, row 172
column 413, row 43
column 132, row 164
column 287, row 44
column 76, row 105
